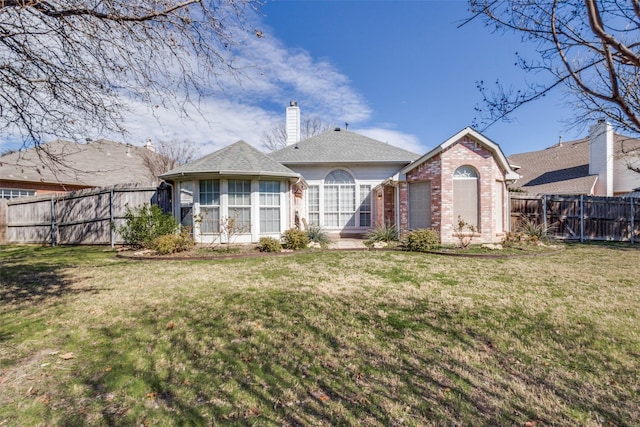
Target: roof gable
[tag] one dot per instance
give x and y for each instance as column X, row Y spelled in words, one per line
column 342, row 146
column 238, row 158
column 486, row 142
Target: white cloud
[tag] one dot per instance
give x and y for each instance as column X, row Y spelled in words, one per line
column 271, row 76
column 394, row 137
column 248, row 107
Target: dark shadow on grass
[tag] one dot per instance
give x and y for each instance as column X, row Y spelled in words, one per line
column 208, row 370
column 33, row 275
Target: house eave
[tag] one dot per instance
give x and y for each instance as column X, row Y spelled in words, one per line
column 173, row 176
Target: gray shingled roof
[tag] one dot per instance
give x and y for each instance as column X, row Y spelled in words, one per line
column 239, row 158
column 563, row 168
column 342, row 146
column 98, row 163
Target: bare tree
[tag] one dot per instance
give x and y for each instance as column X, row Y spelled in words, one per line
column 70, row 66
column 276, row 138
column 590, row 49
column 169, row 154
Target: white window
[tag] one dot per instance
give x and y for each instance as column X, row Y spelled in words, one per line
column 365, row 206
column 339, row 200
column 210, row 206
column 240, row 203
column 465, row 195
column 13, row 193
column 313, row 205
column 269, row 206
column 186, row 203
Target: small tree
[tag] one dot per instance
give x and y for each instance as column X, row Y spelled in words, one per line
column 231, row 226
column 464, row 232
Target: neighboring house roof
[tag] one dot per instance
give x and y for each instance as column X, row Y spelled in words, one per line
column 564, row 168
column 98, row 163
column 486, row 142
column 342, row 146
column 239, row 158
column 561, row 169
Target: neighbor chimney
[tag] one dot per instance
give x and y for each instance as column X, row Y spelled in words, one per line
column 150, row 146
column 293, row 123
column 601, row 157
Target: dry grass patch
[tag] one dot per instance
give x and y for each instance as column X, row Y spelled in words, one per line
column 325, row 338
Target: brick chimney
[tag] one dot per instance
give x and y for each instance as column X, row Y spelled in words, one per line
column 293, row 123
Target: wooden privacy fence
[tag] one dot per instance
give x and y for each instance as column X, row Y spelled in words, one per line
column 580, row 218
column 79, row 217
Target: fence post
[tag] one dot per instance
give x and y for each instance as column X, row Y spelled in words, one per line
column 582, row 218
column 633, row 227
column 53, row 221
column 112, row 224
column 544, row 213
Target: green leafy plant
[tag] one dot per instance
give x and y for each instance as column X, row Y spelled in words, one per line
column 295, row 239
column 464, row 232
column 528, row 231
column 533, row 229
column 422, row 240
column 145, row 224
column 383, row 233
column 269, row 244
column 318, row 235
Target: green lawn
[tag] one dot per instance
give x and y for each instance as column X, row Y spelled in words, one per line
column 323, row 338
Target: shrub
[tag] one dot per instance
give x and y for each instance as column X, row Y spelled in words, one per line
column 422, row 240
column 172, row 243
column 318, row 235
column 383, row 233
column 532, row 230
column 145, row 224
column 269, row 244
column 295, row 239
column 528, row 232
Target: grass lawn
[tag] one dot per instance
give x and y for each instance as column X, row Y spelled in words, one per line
column 324, row 338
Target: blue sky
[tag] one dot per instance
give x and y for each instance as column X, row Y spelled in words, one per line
column 398, row 71
column 416, row 70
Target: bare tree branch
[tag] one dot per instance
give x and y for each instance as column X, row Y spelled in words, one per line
column 276, row 138
column 70, row 69
column 589, row 49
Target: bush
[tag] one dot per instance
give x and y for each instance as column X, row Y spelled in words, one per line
column 145, row 224
column 269, row 244
column 532, row 230
column 383, row 233
column 172, row 243
column 422, row 240
column 528, row 232
column 318, row 235
column 295, row 239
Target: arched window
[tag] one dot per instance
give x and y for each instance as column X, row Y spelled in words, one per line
column 465, row 195
column 339, row 199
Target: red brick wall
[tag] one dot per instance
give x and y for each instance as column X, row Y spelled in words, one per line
column 439, row 170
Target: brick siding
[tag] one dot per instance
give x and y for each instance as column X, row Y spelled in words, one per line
column 439, row 170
